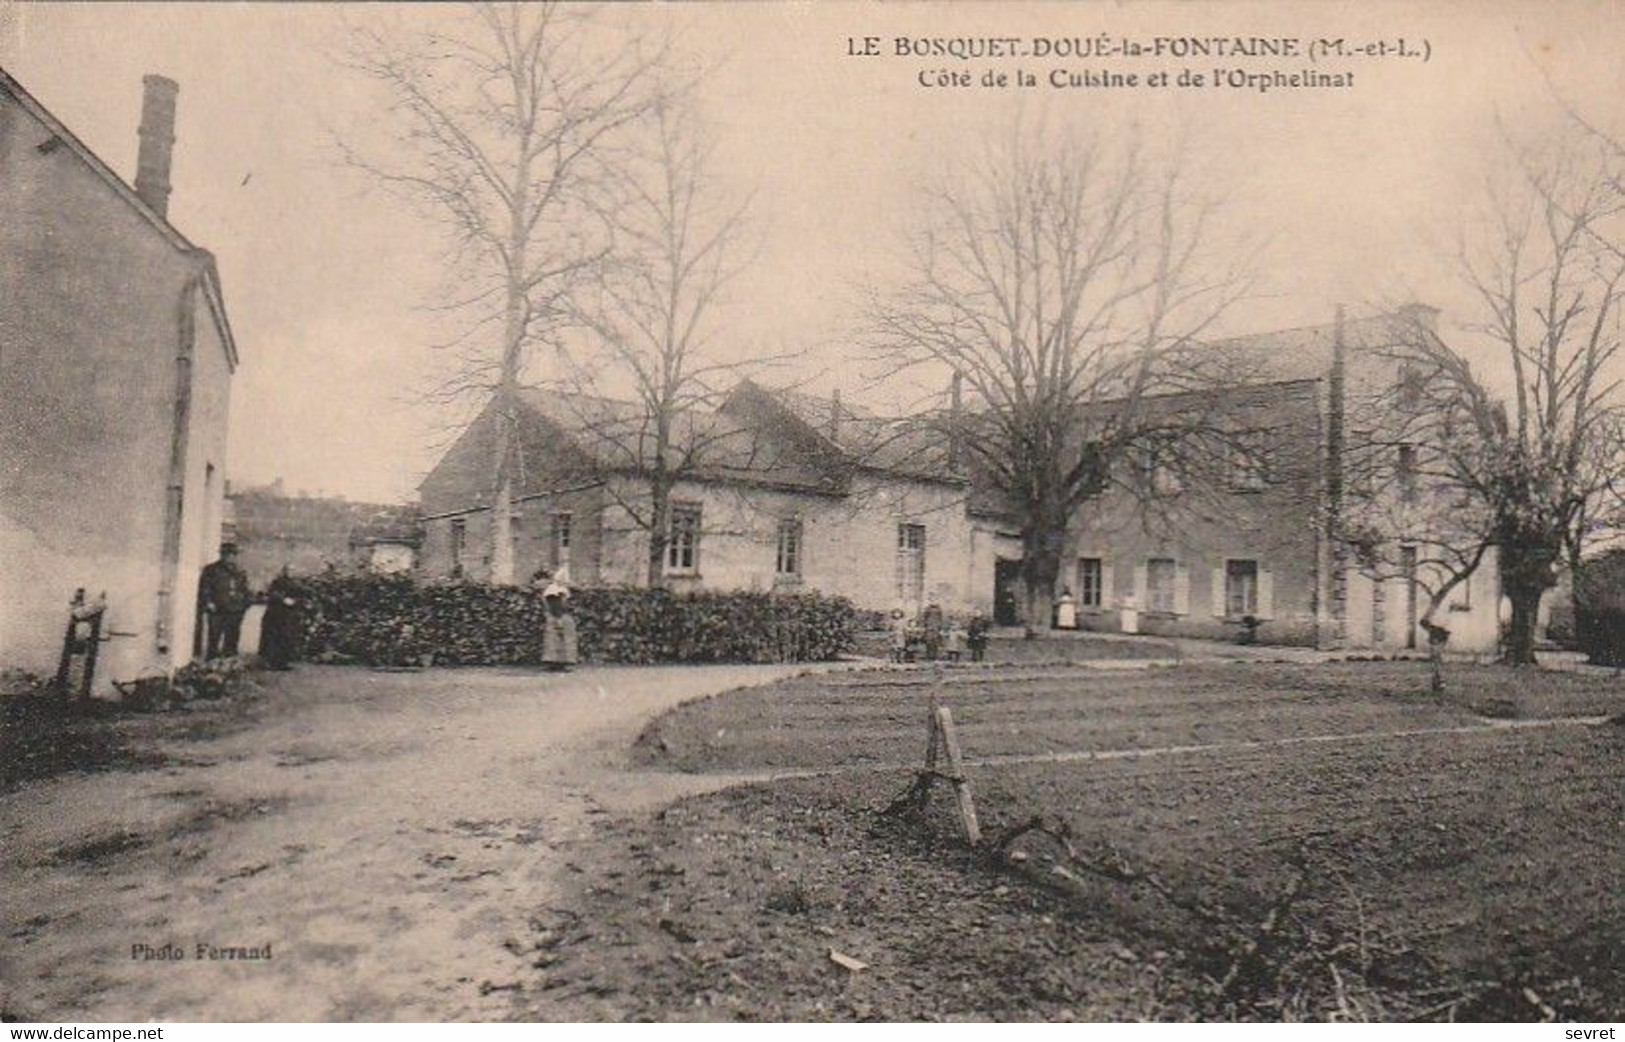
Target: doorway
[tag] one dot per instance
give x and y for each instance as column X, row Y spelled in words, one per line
column 1007, row 588
column 1407, row 567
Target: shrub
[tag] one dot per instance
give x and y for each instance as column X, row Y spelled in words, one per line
column 396, row 620
column 1599, row 608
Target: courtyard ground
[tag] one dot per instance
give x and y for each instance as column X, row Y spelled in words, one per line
column 387, row 834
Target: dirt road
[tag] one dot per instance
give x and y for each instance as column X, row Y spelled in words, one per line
column 383, row 833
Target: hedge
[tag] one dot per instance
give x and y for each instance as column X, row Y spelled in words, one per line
column 395, row 620
column 1599, row 608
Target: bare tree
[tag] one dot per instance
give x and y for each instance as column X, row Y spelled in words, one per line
column 1404, row 515
column 648, row 326
column 499, row 123
column 1060, row 277
column 1520, row 455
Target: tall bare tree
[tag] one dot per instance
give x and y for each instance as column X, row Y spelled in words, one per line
column 1519, row 454
column 1404, row 514
column 500, row 124
column 649, row 327
column 1061, row 277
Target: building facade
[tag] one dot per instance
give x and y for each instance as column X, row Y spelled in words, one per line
column 1246, row 536
column 116, row 360
column 791, row 493
column 1215, row 539
column 1232, row 530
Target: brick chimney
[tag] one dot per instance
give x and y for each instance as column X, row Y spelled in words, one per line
column 1423, row 315
column 834, row 429
column 157, row 141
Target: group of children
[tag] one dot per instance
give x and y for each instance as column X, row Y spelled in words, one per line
column 931, row 637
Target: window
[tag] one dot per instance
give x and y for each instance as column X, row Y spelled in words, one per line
column 459, row 540
column 1158, row 466
column 1160, row 577
column 1405, row 473
column 1240, row 588
column 910, row 563
column 1461, row 598
column 683, row 540
column 559, row 538
column 1409, row 387
column 1247, row 470
column 789, row 556
column 1361, row 459
column 1091, row 582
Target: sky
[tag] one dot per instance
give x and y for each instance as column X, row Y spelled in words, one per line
column 1357, row 194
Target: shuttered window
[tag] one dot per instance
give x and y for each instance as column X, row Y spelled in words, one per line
column 683, row 542
column 1161, row 576
column 1091, row 582
column 1240, row 588
column 560, row 538
column 459, row 541
column 1243, row 586
column 788, row 563
column 910, row 563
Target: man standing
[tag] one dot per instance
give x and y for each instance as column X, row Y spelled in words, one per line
column 222, row 601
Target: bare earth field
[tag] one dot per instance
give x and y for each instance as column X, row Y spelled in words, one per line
column 877, row 717
column 1253, row 841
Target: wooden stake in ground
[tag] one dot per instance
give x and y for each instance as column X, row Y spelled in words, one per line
column 943, row 735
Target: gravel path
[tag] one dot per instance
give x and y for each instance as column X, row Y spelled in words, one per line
column 384, row 833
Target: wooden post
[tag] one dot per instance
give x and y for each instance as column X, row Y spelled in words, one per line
column 932, row 731
column 943, row 725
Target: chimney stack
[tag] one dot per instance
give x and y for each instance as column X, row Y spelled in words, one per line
column 157, row 141
column 835, row 416
column 955, row 407
column 1422, row 315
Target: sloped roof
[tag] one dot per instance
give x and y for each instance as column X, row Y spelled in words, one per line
column 1252, row 371
column 617, row 435
column 159, row 222
column 1306, row 352
column 30, row 104
column 862, row 438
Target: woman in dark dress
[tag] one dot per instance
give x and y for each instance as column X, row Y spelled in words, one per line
column 281, row 631
column 558, row 628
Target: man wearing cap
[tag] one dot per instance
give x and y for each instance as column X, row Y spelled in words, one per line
column 222, row 602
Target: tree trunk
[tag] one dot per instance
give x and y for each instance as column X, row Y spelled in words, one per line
column 515, row 317
column 1526, row 575
column 1438, row 637
column 499, row 554
column 507, row 394
column 1520, row 640
column 659, row 533
column 502, row 561
column 1040, row 567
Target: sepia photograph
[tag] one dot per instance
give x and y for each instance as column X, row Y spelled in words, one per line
column 812, row 513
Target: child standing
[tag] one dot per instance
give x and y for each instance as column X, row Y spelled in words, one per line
column 899, row 636
column 977, row 636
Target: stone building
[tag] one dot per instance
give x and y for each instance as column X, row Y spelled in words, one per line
column 788, row 492
column 1229, row 529
column 1246, row 532
column 1191, row 544
column 116, row 360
